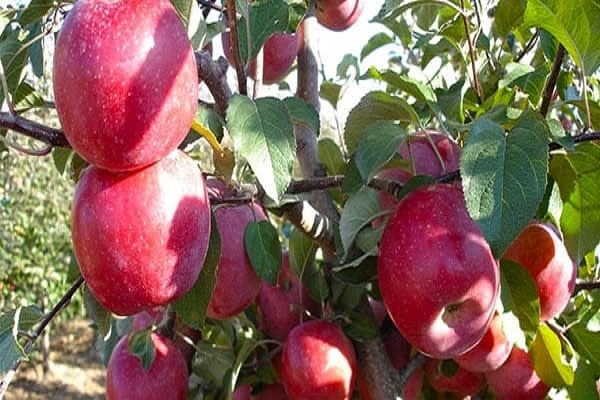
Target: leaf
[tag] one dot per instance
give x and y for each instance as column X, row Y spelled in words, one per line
column 504, row 177
column 263, row 134
column 575, row 24
column 193, row 305
column 14, row 59
column 141, row 345
column 508, row 15
column 303, row 113
column 213, row 362
column 264, row 250
column 526, row 78
column 27, row 98
column 586, row 344
column 377, row 41
column 330, row 92
column 584, row 385
column 546, row 356
column 6, row 17
column 360, row 209
column 374, row 107
column 578, row 178
column 301, row 252
column 266, row 18
column 330, row 155
column 376, row 147
column 594, row 110
column 21, row 319
column 519, row 295
column 35, row 10
column 97, row 313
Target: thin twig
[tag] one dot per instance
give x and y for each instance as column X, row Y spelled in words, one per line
column 551, row 82
column 528, row 46
column 213, row 74
column 584, row 137
column 235, row 47
column 11, row 107
column 35, row 130
column 475, row 81
column 209, row 4
column 587, row 286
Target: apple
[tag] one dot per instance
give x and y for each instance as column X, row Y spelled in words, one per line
column 237, row 283
column 447, row 376
column 339, row 15
column 516, row 379
column 437, row 275
column 125, row 81
column 146, row 318
column 318, row 362
column 141, row 237
column 491, row 352
column 540, row 251
column 273, row 391
column 167, row 377
column 242, row 392
column 399, row 350
column 279, row 53
column 282, row 307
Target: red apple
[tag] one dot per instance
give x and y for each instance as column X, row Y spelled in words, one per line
column 282, row 307
column 541, row 252
column 141, row 237
column 399, row 350
column 447, row 376
column 125, row 81
column 318, row 362
column 516, row 379
column 437, row 275
column 491, row 352
column 237, row 283
column 147, row 318
column 279, row 53
column 242, row 392
column 339, row 15
column 167, row 377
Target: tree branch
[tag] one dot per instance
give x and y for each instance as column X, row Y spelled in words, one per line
column 235, row 48
column 382, row 378
column 50, row 136
column 476, row 85
column 551, row 82
column 213, row 74
column 587, row 286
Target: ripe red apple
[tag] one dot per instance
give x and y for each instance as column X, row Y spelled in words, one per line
column 491, row 352
column 456, row 380
column 279, row 53
column 237, row 283
column 167, row 377
column 318, row 362
column 146, row 318
column 516, row 379
column 282, row 307
column 242, row 392
column 339, row 15
column 437, row 275
column 541, row 252
column 141, row 237
column 125, row 81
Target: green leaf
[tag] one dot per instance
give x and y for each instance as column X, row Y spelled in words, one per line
column 450, row 100
column 6, row 17
column 546, row 356
column 578, row 178
column 14, row 59
column 303, row 113
column 594, row 110
column 193, row 305
column 35, row 10
column 585, row 344
column 519, row 295
column 266, row 18
column 264, row 250
column 301, row 252
column 213, row 363
column 508, row 15
column 378, row 40
column 263, row 134
column 504, row 177
column 584, row 385
column 96, row 311
column 375, row 107
column 575, row 23
column 526, row 78
column 330, row 155
column 184, row 9
column 21, row 319
column 377, row 146
column 330, row 92
column 141, row 345
column 27, row 98
column 360, row 209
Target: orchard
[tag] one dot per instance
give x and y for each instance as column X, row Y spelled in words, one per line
column 245, row 226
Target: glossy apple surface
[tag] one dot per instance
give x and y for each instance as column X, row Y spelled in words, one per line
column 491, row 352
column 279, row 53
column 444, row 377
column 167, row 378
column 282, row 307
column 541, row 252
column 242, row 392
column 318, row 362
column 141, row 237
column 125, row 81
column 237, row 283
column 339, row 15
column 516, row 379
column 437, row 275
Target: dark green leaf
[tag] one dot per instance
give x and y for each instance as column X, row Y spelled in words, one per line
column 264, row 136
column 330, row 155
column 377, row 41
column 14, row 58
column 508, row 15
column 35, row 10
column 349, row 62
column 504, row 177
column 519, row 295
column 330, row 92
column 266, row 18
column 26, row 98
column 527, row 79
column 594, row 111
column 584, row 385
column 141, row 345
column 450, row 100
column 193, row 305
column 546, row 356
column 264, row 250
column 11, row 323
column 213, row 362
column 578, row 178
column 301, row 252
column 97, row 313
column 586, row 344
column 360, row 209
column 303, row 113
column 377, row 146
column 361, row 326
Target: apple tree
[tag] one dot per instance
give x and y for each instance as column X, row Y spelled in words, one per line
column 442, row 238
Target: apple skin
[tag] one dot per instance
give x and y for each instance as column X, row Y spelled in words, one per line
column 318, row 362
column 541, row 252
column 437, row 275
column 516, row 379
column 242, row 392
column 339, row 15
column 491, row 352
column 282, row 306
column 167, row 377
column 463, row 382
column 141, row 237
column 399, row 350
column 279, row 53
column 125, row 81
column 237, row 283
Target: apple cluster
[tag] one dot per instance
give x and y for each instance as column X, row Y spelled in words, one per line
column 126, row 88
column 440, row 283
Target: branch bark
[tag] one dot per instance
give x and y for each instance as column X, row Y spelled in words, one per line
column 50, row 136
